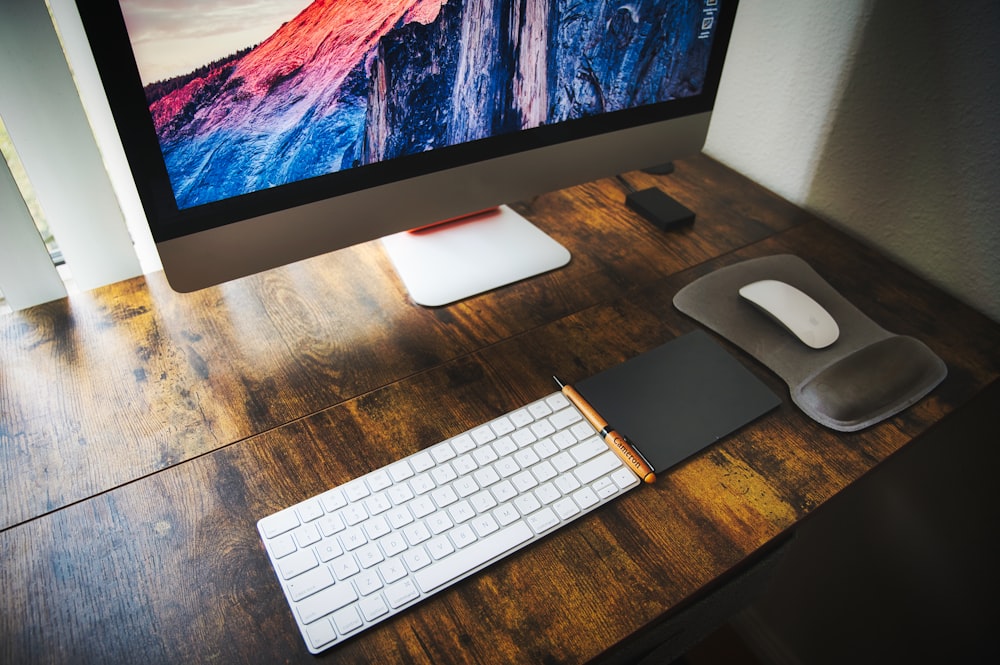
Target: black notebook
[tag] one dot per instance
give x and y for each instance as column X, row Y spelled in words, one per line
column 678, row 398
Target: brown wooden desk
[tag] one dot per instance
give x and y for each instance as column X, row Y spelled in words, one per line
column 144, row 432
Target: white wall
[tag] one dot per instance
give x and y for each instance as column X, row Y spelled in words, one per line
column 880, row 117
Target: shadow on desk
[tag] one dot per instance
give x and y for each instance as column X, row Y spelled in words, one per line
column 724, row 646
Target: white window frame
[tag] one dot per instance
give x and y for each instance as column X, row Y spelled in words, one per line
column 44, row 113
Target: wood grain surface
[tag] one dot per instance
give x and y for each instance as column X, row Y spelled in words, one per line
column 144, row 432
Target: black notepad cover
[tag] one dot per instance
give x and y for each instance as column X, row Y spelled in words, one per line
column 678, row 398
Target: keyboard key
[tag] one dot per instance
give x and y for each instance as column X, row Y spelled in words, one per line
column 399, row 517
column 504, row 446
column 331, row 524
column 539, row 409
column 422, row 461
column 416, row 533
column 486, row 477
column 281, row 546
column 523, row 481
column 345, row 566
column 369, row 555
column 392, row 570
column 310, row 510
column 463, row 443
column 373, row 607
column 502, row 425
column 320, row 634
column 484, row 455
column 527, row 503
column 353, row 538
column 521, row 417
column 504, row 491
column 329, row 549
column 565, row 418
column 543, row 520
column 325, row 602
column 582, row 430
column 376, row 527
column 526, row 457
column 393, row 544
column 306, row 535
column 566, row 508
column 416, row 558
column 542, row 429
column 279, row 523
column 590, row 447
column 585, row 498
column 347, row 620
column 400, row 493
column 442, row 452
column 309, row 583
column 353, row 513
column 506, row 514
column 464, row 464
column 400, row 471
column 462, row 536
column 440, row 547
column 483, row 435
column 422, row 506
column 597, row 467
column 543, row 472
column 378, row 480
column 484, row 525
column 557, row 401
column 356, row 490
column 401, row 592
column 524, row 437
column 333, row 500
column 296, row 564
column 378, row 503
column 368, row 582
column 422, row 483
column 548, row 493
column 564, row 439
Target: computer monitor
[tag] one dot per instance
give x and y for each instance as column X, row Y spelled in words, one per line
column 259, row 134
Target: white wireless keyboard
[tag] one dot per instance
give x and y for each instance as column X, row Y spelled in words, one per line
column 362, row 552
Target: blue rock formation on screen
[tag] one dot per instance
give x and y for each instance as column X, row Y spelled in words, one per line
column 352, row 82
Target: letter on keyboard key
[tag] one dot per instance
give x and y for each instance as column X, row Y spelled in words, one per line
column 473, row 556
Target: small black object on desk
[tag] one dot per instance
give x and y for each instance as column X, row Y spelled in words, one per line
column 657, row 207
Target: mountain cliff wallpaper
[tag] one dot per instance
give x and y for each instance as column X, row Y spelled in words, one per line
column 350, row 82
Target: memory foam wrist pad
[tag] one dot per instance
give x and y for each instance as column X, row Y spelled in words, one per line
column 867, row 375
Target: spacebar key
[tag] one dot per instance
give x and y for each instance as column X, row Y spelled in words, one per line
column 476, row 554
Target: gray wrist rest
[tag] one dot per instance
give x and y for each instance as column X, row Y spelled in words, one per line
column 867, row 375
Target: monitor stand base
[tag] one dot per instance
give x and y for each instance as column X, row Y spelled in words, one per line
column 448, row 262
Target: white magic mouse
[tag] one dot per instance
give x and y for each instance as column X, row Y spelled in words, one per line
column 793, row 310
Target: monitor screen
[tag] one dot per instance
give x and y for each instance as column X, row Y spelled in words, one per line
column 262, row 133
